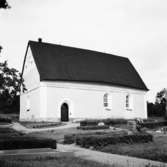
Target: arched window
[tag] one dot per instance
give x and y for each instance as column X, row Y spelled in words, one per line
column 107, row 100
column 129, row 102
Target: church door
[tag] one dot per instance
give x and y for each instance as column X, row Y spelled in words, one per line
column 64, row 112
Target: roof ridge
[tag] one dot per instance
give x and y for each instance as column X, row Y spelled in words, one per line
column 78, row 48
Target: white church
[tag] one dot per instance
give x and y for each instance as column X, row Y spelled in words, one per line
column 66, row 83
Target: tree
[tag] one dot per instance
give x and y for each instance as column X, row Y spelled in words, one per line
column 155, row 109
column 10, row 84
column 161, row 98
column 4, row 4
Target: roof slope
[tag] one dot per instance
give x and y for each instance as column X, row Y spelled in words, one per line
column 62, row 63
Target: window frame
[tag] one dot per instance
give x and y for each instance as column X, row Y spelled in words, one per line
column 107, row 101
column 129, row 102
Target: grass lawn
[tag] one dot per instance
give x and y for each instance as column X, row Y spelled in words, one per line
column 59, row 160
column 156, row 150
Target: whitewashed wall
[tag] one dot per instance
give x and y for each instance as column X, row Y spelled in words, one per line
column 86, row 101
column 31, row 74
column 32, row 82
column 34, row 99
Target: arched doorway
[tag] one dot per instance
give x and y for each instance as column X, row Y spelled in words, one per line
column 64, row 112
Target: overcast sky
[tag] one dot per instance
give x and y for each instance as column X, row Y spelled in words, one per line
column 136, row 29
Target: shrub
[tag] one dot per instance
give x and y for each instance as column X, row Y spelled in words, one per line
column 153, row 124
column 93, row 127
column 107, row 139
column 44, row 125
column 26, row 142
column 115, row 121
column 89, row 123
column 40, row 124
column 71, row 138
column 105, row 121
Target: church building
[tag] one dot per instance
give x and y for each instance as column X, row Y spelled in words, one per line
column 67, row 83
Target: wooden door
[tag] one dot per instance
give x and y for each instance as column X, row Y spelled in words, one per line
column 64, row 112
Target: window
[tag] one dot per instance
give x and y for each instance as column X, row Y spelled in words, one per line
column 129, row 102
column 107, row 99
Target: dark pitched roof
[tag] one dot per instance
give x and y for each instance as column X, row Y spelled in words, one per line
column 62, row 63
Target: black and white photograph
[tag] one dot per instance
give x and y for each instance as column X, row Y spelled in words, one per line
column 83, row 83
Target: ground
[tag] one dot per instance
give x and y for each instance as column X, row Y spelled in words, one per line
column 156, row 150
column 58, row 160
column 41, row 159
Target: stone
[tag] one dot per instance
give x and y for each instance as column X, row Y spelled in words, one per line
column 101, row 124
column 132, row 125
